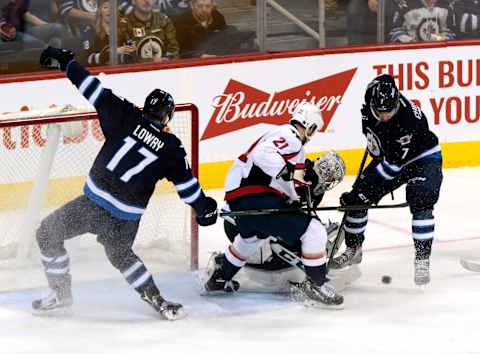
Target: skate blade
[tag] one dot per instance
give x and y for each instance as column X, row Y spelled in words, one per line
column 65, row 311
column 422, row 287
column 205, row 292
column 297, row 296
column 322, row 306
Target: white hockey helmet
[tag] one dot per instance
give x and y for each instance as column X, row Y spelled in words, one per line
column 308, row 116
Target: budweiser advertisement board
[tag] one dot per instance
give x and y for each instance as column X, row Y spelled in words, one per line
column 241, row 106
column 239, row 101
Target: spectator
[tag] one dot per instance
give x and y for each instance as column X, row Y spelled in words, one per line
column 150, row 32
column 100, row 52
column 21, row 25
column 362, row 21
column 466, row 18
column 194, row 26
column 80, row 16
column 169, row 7
column 421, row 21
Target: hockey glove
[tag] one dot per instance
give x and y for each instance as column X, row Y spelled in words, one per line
column 56, row 58
column 310, row 174
column 347, row 198
column 286, row 173
column 209, row 214
column 353, row 198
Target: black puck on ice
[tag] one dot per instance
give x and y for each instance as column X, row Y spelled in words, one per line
column 386, row 279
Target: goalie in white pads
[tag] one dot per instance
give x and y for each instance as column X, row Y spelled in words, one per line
column 263, row 178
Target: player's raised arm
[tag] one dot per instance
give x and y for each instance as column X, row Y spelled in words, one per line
column 114, row 112
column 64, row 59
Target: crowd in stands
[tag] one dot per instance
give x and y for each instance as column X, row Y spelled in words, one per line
column 148, row 30
column 162, row 30
column 413, row 20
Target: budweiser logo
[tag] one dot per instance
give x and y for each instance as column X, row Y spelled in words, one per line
column 241, row 106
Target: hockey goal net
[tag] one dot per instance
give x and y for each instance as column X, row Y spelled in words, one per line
column 46, row 156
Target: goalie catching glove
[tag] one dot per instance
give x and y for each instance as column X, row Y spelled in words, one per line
column 56, row 58
column 208, row 216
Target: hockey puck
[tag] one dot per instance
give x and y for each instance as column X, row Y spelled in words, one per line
column 386, row 279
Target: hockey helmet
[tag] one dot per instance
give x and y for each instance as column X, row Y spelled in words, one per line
column 158, row 104
column 308, row 116
column 385, row 99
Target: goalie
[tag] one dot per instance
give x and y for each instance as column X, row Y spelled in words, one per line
column 263, row 178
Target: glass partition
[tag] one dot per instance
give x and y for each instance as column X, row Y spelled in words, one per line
column 144, row 31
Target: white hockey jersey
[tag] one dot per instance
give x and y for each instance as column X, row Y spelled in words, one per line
column 257, row 170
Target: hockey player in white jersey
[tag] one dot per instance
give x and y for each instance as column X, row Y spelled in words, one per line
column 275, row 265
column 263, row 178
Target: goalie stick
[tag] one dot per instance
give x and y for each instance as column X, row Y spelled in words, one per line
column 341, row 232
column 473, row 266
column 339, row 280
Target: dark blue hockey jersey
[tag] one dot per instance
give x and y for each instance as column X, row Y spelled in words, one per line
column 402, row 140
column 135, row 154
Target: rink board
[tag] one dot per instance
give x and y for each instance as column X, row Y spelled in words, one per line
column 248, row 96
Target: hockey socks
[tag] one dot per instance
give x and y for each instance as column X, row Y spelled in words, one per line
column 317, row 274
column 423, row 248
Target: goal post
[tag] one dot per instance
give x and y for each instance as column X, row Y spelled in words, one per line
column 46, row 157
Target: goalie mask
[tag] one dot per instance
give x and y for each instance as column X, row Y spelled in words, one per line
column 309, row 117
column 159, row 106
column 330, row 169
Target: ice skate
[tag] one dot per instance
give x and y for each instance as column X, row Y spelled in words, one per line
column 422, row 271
column 324, row 296
column 352, row 255
column 55, row 303
column 216, row 282
column 168, row 310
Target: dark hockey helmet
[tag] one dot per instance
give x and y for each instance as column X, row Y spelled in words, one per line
column 158, row 104
column 385, row 97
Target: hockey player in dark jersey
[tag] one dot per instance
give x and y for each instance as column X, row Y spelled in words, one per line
column 118, row 188
column 404, row 151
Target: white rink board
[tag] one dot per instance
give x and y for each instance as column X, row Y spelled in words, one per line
column 424, row 75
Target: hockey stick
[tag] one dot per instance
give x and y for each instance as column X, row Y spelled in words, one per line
column 286, row 255
column 339, row 280
column 341, row 233
column 290, row 210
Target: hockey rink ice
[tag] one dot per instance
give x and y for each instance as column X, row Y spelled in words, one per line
column 377, row 318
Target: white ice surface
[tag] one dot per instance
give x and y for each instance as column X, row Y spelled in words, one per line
column 378, row 318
